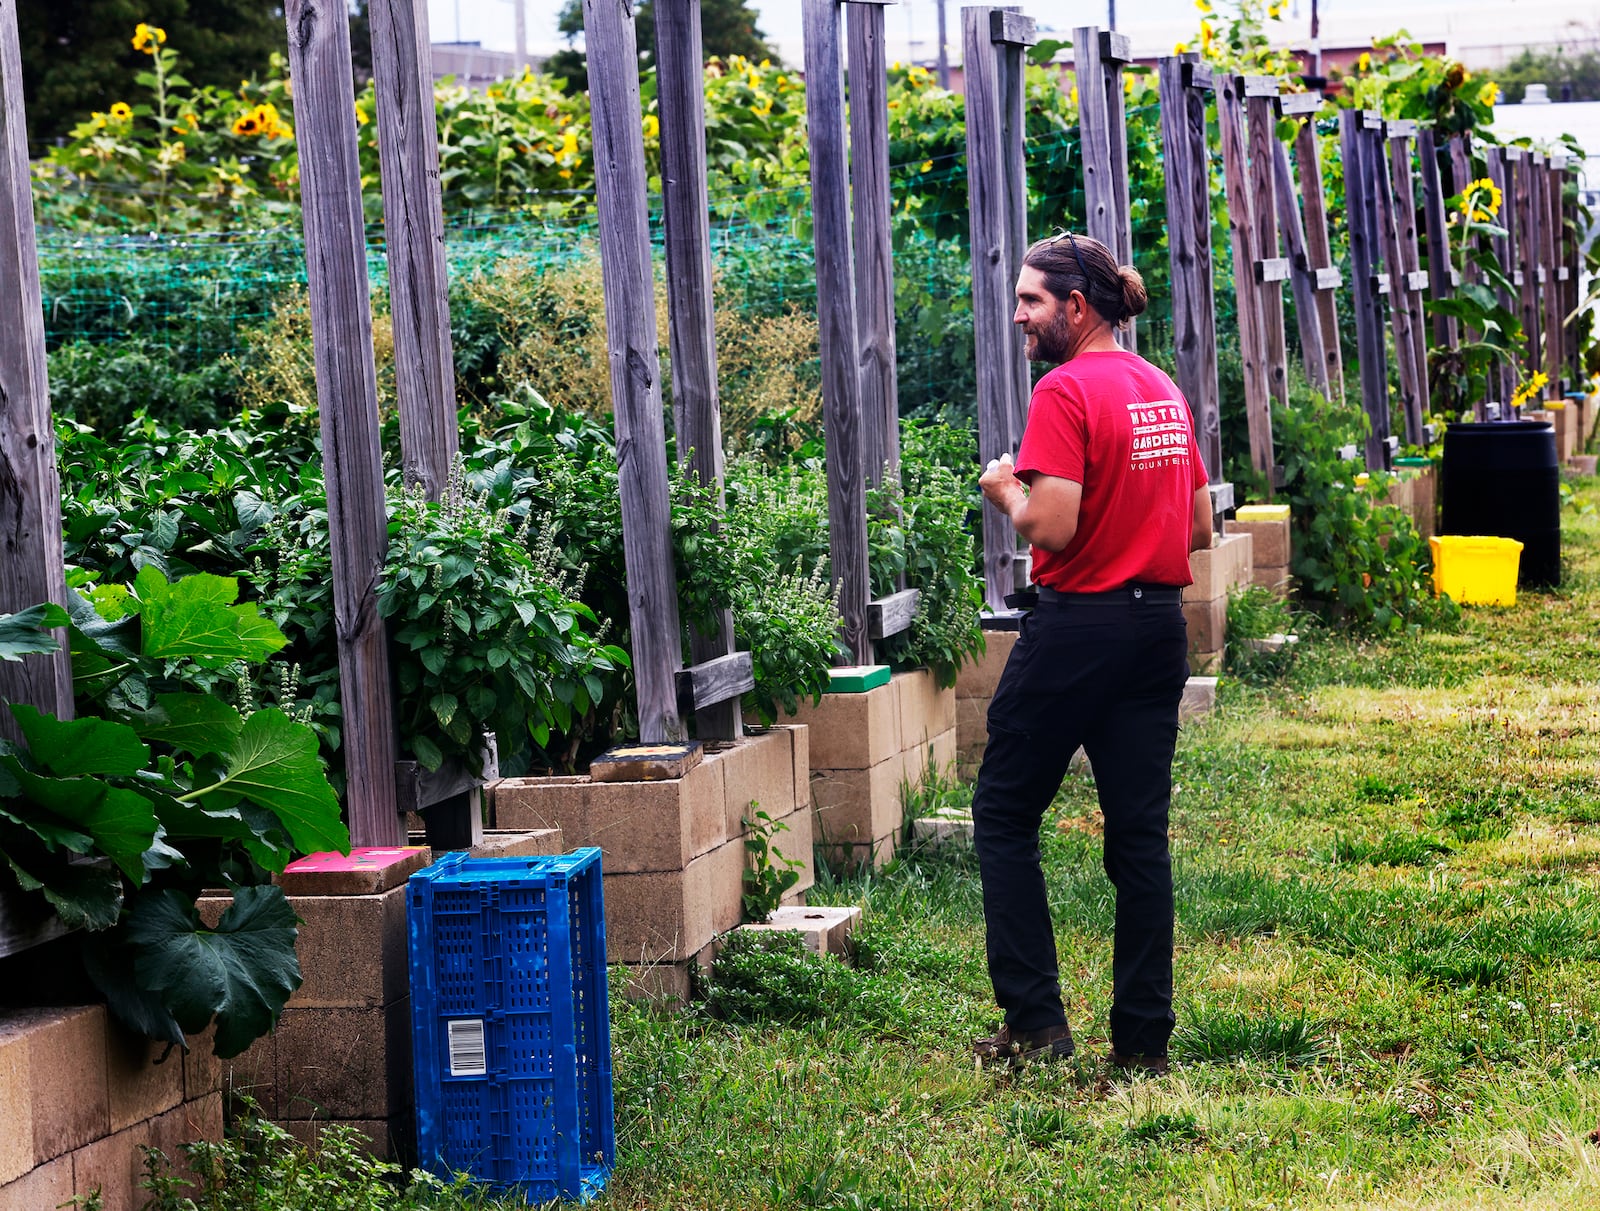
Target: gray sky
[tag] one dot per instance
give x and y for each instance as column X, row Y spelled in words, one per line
column 1479, row 31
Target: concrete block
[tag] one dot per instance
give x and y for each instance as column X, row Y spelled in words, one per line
column 972, row 728
column 853, row 731
column 1566, row 425
column 1424, row 509
column 1401, row 493
column 113, row 1167
column 352, row 950
column 639, row 826
column 979, row 678
column 668, row 916
column 800, row 737
column 942, row 830
column 364, row 872
column 824, row 930
column 16, row 1109
column 1223, row 566
column 797, row 841
column 518, row 843
column 1276, row 579
column 344, row 1063
column 143, row 1078
column 253, row 1075
column 202, row 1070
column 1272, row 644
column 1270, row 540
column 67, row 1076
column 858, row 805
column 756, row 770
column 1208, row 622
column 1199, row 698
column 383, row 1138
column 1584, row 464
column 39, row 1189
column 925, row 709
column 636, row 762
column 1206, row 664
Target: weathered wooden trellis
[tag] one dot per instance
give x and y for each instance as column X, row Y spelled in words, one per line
column 1183, row 82
column 1097, row 61
column 1365, row 174
column 1396, row 193
column 855, row 298
column 993, row 43
column 1315, row 277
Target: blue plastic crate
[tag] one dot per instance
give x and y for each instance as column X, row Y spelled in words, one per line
column 511, row 1022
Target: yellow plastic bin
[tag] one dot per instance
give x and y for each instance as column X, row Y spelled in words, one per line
column 1476, row 570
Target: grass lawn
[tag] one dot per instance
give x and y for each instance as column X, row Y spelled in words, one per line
column 1388, row 875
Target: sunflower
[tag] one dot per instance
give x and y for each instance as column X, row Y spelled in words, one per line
column 652, row 126
column 121, row 112
column 148, row 37
column 246, row 125
column 1489, row 94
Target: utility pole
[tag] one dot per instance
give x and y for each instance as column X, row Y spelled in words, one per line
column 944, row 57
column 1111, row 14
column 1316, row 41
column 520, row 7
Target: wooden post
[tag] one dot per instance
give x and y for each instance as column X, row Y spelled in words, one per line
column 413, row 224
column 869, row 179
column 1097, row 59
column 1270, row 269
column 1183, row 86
column 1398, row 209
column 836, row 321
column 1356, row 145
column 1242, row 226
column 1010, row 35
column 1550, row 268
column 1302, row 279
column 697, row 407
column 1441, row 273
column 628, row 282
column 31, row 568
column 1525, row 242
column 347, row 400
column 1312, row 258
column 994, row 199
column 1498, row 169
column 1571, row 269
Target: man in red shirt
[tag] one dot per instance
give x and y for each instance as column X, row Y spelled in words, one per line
column 1109, row 490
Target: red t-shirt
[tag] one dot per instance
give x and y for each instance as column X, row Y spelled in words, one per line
column 1120, row 427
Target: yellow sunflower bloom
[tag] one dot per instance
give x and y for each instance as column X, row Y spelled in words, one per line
column 121, row 112
column 246, row 125
column 1364, row 64
column 1489, row 94
column 652, row 126
column 148, row 37
column 925, row 166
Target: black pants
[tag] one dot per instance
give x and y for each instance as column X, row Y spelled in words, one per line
column 1108, row 677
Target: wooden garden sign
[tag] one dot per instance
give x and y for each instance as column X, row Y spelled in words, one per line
column 993, row 41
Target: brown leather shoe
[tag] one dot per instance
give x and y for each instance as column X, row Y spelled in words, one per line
column 1153, row 1065
column 1022, row 1047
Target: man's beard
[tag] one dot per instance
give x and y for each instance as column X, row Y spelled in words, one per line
column 1052, row 342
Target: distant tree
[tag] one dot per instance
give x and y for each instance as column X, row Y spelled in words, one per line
column 727, row 27
column 1573, row 76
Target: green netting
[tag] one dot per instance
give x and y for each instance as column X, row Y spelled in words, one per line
column 196, row 297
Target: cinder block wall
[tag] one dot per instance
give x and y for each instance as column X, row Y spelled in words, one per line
column 1228, row 564
column 81, row 1096
column 865, row 749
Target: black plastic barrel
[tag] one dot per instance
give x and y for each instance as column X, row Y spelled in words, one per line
column 1503, row 480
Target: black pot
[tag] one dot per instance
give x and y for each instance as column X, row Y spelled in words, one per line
column 1502, row 480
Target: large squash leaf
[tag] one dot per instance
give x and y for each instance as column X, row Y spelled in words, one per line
column 121, row 822
column 196, row 617
column 71, row 747
column 242, row 972
column 274, row 763
column 27, row 632
column 195, row 723
column 85, row 895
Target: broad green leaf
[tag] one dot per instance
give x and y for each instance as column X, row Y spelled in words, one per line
column 196, row 617
column 254, row 830
column 85, row 895
column 427, row 753
column 195, row 723
column 44, row 824
column 252, row 511
column 121, row 822
column 27, row 632
column 70, row 747
column 274, row 763
column 108, row 959
column 242, row 972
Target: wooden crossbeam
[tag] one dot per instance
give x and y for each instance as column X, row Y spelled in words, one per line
column 893, row 615
column 1115, row 47
column 1010, row 28
column 1274, row 269
column 1329, row 279
column 715, row 682
column 1300, row 105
